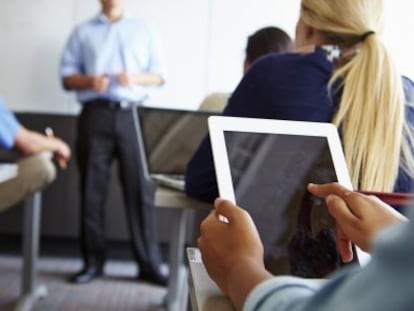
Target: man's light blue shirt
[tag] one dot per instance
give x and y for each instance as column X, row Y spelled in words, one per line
column 102, row 47
column 8, row 127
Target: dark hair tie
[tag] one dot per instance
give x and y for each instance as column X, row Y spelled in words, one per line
column 367, row 34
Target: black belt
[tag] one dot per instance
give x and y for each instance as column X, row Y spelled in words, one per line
column 111, row 104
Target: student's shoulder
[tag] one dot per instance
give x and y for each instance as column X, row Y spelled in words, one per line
column 290, row 66
column 216, row 101
column 292, row 62
column 289, row 59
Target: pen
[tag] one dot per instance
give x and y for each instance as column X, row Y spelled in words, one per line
column 49, row 133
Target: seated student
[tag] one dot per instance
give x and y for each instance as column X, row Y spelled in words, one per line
column 264, row 41
column 233, row 256
column 344, row 75
column 35, row 168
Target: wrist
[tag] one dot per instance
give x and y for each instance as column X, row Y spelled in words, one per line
column 137, row 78
column 243, row 277
column 90, row 82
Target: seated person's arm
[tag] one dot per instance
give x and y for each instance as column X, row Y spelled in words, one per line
column 29, row 142
column 233, row 254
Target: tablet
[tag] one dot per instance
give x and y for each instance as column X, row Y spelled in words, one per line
column 264, row 166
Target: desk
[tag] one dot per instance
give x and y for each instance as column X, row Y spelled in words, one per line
column 30, row 292
column 204, row 293
column 7, row 171
column 177, row 283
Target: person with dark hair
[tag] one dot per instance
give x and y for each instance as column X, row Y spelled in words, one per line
column 262, row 42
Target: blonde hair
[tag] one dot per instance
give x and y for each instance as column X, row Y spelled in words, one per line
column 371, row 111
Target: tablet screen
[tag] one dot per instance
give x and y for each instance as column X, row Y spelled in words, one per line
column 270, row 173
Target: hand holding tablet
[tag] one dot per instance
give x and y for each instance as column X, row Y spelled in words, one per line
column 264, row 166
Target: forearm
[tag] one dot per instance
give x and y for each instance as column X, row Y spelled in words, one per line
column 283, row 293
column 148, row 79
column 29, row 142
column 78, row 82
column 243, row 278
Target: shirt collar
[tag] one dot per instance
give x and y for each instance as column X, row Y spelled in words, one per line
column 102, row 18
column 333, row 53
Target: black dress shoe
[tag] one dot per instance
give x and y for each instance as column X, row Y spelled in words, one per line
column 154, row 277
column 87, row 274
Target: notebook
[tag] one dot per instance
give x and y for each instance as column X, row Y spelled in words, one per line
column 264, row 166
column 170, row 137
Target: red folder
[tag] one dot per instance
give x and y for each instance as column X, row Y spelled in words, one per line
column 392, row 198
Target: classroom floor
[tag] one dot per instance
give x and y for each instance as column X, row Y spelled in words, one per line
column 117, row 290
column 59, row 258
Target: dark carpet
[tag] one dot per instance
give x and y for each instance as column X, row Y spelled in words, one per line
column 117, row 290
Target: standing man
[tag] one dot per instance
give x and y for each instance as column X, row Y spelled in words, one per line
column 111, row 62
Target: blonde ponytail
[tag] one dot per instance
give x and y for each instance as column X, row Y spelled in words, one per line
column 371, row 117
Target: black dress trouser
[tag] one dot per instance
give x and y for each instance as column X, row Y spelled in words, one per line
column 104, row 134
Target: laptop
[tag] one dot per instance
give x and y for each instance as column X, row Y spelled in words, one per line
column 264, row 167
column 170, row 137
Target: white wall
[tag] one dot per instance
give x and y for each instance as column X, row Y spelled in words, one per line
column 399, row 23
column 229, row 28
column 203, row 44
column 182, row 27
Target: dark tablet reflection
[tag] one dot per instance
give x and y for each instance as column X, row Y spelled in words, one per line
column 270, row 173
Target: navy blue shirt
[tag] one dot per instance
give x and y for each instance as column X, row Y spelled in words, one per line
column 278, row 86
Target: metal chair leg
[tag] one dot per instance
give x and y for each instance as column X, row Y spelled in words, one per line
column 177, row 285
column 31, row 234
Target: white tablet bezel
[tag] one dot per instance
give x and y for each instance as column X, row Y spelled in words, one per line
column 219, row 124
